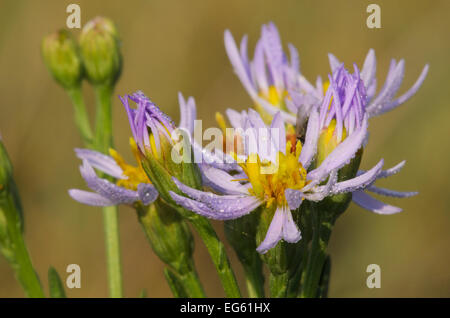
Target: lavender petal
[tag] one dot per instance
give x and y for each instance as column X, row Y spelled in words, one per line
column 367, row 202
column 274, row 233
column 89, row 198
column 101, row 162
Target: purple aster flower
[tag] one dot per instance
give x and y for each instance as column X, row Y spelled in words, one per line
column 152, row 128
column 276, row 84
column 341, row 113
column 384, row 101
column 278, row 180
column 270, row 76
column 149, row 125
column 132, row 185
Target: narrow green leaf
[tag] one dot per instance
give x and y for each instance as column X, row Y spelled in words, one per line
column 55, row 284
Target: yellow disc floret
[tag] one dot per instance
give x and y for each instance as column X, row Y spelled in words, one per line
column 270, row 180
column 135, row 174
column 328, row 141
column 275, row 99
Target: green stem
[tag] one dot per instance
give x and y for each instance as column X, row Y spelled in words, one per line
column 217, row 252
column 325, row 279
column 111, row 228
column 174, row 283
column 103, row 120
column 322, row 226
column 102, row 143
column 278, row 285
column 192, row 285
column 81, row 116
column 254, row 279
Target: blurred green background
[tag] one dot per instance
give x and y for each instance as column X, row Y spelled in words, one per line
column 172, row 46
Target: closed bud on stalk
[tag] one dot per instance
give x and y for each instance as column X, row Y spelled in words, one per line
column 62, row 58
column 100, row 51
column 169, row 235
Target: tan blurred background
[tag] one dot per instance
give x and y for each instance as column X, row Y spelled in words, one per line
column 172, row 46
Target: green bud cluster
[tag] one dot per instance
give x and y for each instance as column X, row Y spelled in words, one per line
column 96, row 56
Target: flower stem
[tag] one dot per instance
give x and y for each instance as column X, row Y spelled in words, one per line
column 325, row 279
column 192, row 285
column 254, row 279
column 103, row 120
column 322, row 225
column 111, row 228
column 217, row 252
column 278, row 285
column 81, row 116
column 102, row 143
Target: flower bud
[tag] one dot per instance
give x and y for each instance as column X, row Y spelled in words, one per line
column 100, row 51
column 169, row 235
column 61, row 56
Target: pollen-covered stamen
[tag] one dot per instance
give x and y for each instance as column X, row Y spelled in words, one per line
column 269, row 180
column 135, row 174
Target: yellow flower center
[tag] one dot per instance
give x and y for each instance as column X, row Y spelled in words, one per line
column 269, row 180
column 274, row 98
column 328, row 141
column 135, row 174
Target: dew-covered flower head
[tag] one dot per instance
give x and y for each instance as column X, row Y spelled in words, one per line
column 342, row 111
column 278, row 180
column 270, row 75
column 151, row 128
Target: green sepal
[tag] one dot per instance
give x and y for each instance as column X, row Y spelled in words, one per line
column 55, row 284
column 169, row 162
column 160, row 178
